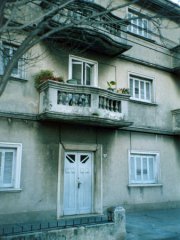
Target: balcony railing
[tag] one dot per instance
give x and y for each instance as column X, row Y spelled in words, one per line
column 83, row 104
column 93, row 28
column 176, row 121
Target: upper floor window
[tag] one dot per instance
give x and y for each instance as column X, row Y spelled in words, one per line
column 10, row 165
column 83, row 70
column 139, row 25
column 140, row 88
column 143, row 168
column 7, row 53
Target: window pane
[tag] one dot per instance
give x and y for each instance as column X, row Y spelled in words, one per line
column 88, row 74
column 8, row 53
column 132, row 176
column 145, row 172
column 131, row 86
column 145, row 27
column 151, row 168
column 136, row 89
column 138, row 168
column 77, row 71
column 147, row 91
column 8, row 167
column 140, row 26
column 142, row 89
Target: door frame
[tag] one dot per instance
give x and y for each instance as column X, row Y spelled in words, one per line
column 97, row 181
column 92, row 176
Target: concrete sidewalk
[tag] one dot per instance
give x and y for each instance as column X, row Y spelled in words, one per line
column 154, row 224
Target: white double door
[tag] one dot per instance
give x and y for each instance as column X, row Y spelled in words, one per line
column 78, row 176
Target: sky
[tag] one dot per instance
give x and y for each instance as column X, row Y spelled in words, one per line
column 176, row 1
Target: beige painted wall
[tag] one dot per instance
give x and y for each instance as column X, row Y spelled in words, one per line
column 40, row 141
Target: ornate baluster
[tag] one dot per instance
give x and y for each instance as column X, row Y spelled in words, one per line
column 77, row 96
column 68, row 99
column 86, row 101
column 73, row 99
column 83, row 99
column 103, row 102
column 59, row 98
column 116, row 106
column 112, row 105
column 80, row 101
column 119, row 108
column 107, row 103
column 100, row 102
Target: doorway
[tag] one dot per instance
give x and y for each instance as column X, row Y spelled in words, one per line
column 78, row 183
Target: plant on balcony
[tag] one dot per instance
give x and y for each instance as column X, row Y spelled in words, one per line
column 111, row 85
column 45, row 75
column 123, row 91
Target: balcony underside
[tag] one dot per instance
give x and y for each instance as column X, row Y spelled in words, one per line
column 84, row 120
column 86, row 39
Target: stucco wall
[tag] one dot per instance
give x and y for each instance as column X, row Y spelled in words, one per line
column 39, row 174
column 22, row 96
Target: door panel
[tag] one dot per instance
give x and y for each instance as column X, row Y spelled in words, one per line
column 85, row 189
column 70, row 198
column 78, row 183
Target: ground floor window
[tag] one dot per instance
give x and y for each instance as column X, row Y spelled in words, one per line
column 143, row 168
column 10, row 165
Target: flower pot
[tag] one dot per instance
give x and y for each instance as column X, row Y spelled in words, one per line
column 72, row 81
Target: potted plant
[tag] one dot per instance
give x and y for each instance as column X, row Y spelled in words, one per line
column 45, row 75
column 123, row 90
column 111, row 85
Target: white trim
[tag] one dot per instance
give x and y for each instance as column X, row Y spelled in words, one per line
column 145, row 78
column 17, row 170
column 84, row 60
column 145, row 185
column 140, row 31
column 156, row 167
column 97, row 174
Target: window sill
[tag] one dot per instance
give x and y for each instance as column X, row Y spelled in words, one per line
column 10, row 189
column 142, row 102
column 145, row 185
column 16, row 79
column 143, row 38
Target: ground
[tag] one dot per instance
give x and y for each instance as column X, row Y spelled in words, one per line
column 153, row 225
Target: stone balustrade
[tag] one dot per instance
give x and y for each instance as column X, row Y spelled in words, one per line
column 85, row 104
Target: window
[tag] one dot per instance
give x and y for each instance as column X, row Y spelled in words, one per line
column 83, row 70
column 8, row 52
column 140, row 88
column 138, row 25
column 143, row 168
column 10, row 165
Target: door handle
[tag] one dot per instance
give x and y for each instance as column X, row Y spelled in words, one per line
column 79, row 184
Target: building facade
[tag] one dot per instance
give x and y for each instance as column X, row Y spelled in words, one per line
column 106, row 136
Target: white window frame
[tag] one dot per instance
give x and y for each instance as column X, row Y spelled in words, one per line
column 20, row 65
column 141, row 80
column 16, row 169
column 156, row 168
column 139, row 25
column 86, row 61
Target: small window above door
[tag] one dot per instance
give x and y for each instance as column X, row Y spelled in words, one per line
column 84, row 71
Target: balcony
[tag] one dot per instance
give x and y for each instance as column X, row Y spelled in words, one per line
column 176, row 121
column 83, row 104
column 104, row 33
